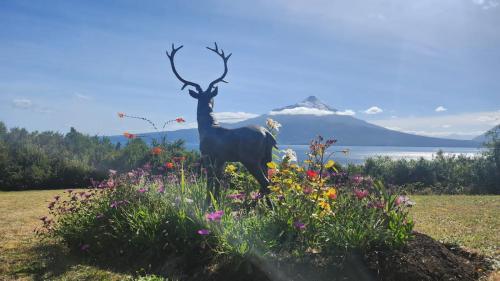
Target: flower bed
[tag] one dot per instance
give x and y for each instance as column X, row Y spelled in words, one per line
column 315, row 222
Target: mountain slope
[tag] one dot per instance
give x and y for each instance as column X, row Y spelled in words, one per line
column 485, row 137
column 303, row 121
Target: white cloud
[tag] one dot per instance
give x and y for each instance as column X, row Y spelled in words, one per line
column 440, row 109
column 82, row 97
column 302, row 111
column 373, row 110
column 470, row 124
column 486, row 4
column 234, row 117
column 346, row 112
column 22, row 103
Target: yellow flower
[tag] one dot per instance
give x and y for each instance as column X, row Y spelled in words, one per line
column 331, row 193
column 274, row 188
column 329, row 164
column 230, row 169
column 272, row 165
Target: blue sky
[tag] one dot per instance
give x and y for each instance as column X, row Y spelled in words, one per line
column 427, row 67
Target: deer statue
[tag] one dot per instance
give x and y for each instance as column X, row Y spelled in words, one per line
column 252, row 145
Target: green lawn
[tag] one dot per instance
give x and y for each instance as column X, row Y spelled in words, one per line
column 470, row 221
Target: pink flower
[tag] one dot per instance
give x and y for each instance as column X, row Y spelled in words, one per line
column 161, row 189
column 142, row 190
column 215, row 216
column 236, row 196
column 403, row 199
column 203, row 232
column 110, row 183
column 360, row 193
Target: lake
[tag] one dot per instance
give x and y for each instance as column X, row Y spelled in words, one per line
column 358, row 154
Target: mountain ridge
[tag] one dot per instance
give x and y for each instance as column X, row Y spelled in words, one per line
column 299, row 127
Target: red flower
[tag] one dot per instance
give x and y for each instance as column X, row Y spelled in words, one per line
column 179, row 159
column 169, row 165
column 156, row 150
column 311, row 174
column 129, row 135
column 180, row 120
column 121, row 114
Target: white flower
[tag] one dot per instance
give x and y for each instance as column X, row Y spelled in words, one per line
column 290, row 155
column 272, row 124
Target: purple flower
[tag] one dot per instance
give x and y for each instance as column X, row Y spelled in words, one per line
column 215, row 216
column 84, row 247
column 142, row 190
column 357, row 179
column 299, row 225
column 236, row 196
column 161, row 189
column 116, row 204
column 203, row 232
column 255, row 195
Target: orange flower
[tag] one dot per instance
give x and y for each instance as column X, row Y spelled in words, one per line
column 331, row 193
column 129, row 135
column 169, row 165
column 156, row 150
column 271, row 173
column 180, row 120
column 121, row 114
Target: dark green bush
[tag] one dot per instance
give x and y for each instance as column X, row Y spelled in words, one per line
column 52, row 160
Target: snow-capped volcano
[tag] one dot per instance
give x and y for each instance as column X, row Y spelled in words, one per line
column 310, row 106
column 309, row 102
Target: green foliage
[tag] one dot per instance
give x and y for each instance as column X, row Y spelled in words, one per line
column 441, row 175
column 52, row 160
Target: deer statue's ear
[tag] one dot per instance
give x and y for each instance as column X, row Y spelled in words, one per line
column 214, row 92
column 194, row 94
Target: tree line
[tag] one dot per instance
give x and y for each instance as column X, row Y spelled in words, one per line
column 42, row 160
column 442, row 174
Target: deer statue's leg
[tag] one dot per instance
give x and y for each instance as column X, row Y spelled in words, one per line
column 208, row 165
column 256, row 171
column 215, row 170
column 218, row 174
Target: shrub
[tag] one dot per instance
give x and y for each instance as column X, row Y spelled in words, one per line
column 142, row 220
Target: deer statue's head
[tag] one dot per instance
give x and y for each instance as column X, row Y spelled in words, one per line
column 205, row 98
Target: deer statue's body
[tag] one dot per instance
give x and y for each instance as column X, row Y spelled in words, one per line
column 252, row 145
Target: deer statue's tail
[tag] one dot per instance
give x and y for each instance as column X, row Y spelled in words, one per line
column 270, row 144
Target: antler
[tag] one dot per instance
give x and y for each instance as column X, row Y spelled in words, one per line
column 186, row 83
column 225, row 59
